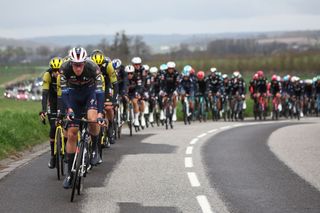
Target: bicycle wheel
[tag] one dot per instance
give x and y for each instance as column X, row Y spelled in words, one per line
column 58, row 145
column 76, row 176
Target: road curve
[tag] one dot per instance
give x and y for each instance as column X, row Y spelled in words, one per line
column 250, row 178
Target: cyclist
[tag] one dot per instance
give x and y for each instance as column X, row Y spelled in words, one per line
column 162, row 70
column 275, row 90
column 154, row 90
column 140, row 79
column 262, row 88
column 169, row 84
column 308, row 96
column 226, row 95
column 215, row 87
column 81, row 85
column 317, row 92
column 49, row 101
column 186, row 88
column 201, row 90
column 111, row 90
column 123, row 89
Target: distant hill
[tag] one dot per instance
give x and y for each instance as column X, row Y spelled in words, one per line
column 163, row 43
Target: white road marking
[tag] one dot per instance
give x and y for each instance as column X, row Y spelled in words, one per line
column 225, row 127
column 202, row 135
column 204, row 204
column 211, row 131
column 194, row 141
column 189, row 150
column 193, row 179
column 237, row 125
column 188, row 162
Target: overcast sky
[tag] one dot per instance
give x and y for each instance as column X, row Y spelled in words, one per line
column 30, row 18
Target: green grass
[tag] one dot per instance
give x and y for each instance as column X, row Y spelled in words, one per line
column 19, row 106
column 20, row 130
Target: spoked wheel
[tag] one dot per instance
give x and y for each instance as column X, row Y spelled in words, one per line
column 76, row 181
column 59, row 157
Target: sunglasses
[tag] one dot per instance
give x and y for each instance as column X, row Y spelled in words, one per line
column 78, row 64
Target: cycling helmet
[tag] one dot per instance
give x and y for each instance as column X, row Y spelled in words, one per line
column 200, row 75
column 297, row 78
column 116, row 63
column 260, row 73
column 55, row 63
column 171, row 65
column 279, row 78
column 274, row 78
column 286, row 78
column 187, row 68
column 318, row 77
column 78, row 54
column 255, row 76
column 96, row 51
column 146, row 67
column 163, row 67
column 153, row 70
column 136, row 60
column 308, row 81
column 213, row 69
column 225, row 76
column 98, row 58
column 185, row 72
column 314, row 79
column 192, row 71
column 129, row 69
column 219, row 74
column 293, row 79
column 236, row 74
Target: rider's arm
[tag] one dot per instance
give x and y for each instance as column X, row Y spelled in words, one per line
column 100, row 92
column 45, row 90
column 64, row 91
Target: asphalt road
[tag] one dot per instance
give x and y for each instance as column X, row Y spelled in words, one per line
column 203, row 167
column 249, row 176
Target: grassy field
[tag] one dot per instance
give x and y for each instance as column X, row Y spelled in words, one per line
column 20, row 127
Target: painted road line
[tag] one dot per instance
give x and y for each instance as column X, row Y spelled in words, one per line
column 225, row 127
column 211, row 131
column 204, row 204
column 237, row 125
column 193, row 179
column 194, row 141
column 189, row 150
column 188, row 162
column 202, row 135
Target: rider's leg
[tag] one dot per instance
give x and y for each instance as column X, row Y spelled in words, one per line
column 136, row 111
column 94, row 130
column 141, row 109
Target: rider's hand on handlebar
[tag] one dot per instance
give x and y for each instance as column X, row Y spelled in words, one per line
column 70, row 115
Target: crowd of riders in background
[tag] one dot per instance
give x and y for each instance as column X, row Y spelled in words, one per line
column 141, row 95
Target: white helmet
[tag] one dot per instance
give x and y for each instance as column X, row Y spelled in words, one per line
column 293, row 79
column 116, row 63
column 129, row 69
column 78, row 54
column 171, row 64
column 213, row 69
column 153, row 70
column 136, row 60
column 146, row 67
column 308, row 81
column 236, row 74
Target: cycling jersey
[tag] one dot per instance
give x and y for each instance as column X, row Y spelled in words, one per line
column 169, row 81
column 275, row 87
column 186, row 86
column 215, row 84
column 122, row 81
column 308, row 90
column 261, row 85
column 201, row 88
column 83, row 92
column 238, row 86
column 49, row 91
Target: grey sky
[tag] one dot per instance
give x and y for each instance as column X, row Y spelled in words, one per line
column 21, row 19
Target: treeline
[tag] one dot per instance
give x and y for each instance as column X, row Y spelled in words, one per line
column 227, row 54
